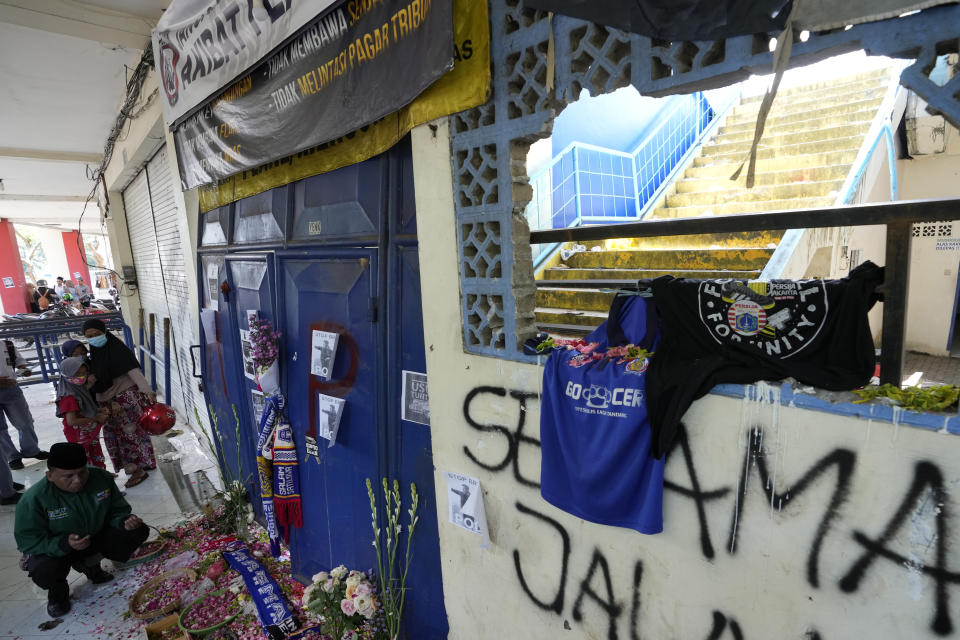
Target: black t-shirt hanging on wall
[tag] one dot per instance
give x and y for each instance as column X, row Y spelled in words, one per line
column 717, row 331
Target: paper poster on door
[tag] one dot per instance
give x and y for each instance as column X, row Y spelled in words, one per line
column 208, row 320
column 213, row 285
column 414, row 400
column 328, row 419
column 323, row 352
column 247, row 349
column 313, row 449
column 259, row 401
column 465, row 498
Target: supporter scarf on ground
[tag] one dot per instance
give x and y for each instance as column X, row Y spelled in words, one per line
column 275, row 616
column 268, row 423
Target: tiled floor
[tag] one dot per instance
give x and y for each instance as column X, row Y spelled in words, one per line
column 944, row 370
column 97, row 611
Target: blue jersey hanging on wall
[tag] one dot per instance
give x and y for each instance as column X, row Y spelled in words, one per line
column 595, row 435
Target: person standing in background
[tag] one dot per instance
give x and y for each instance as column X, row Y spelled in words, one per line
column 14, row 407
column 45, row 295
column 83, row 291
column 32, row 297
column 59, row 288
column 120, row 385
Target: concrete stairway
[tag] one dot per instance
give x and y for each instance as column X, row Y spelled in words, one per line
column 811, row 139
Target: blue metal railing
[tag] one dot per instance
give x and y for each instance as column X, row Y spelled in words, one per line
column 148, row 353
column 885, row 132
column 587, row 184
column 48, row 336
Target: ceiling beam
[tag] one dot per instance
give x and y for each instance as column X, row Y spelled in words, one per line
column 64, row 225
column 79, row 20
column 30, row 198
column 50, row 154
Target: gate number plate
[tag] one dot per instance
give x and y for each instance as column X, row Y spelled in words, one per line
column 313, row 227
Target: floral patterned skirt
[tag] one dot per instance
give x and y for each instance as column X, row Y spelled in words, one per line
column 87, row 436
column 126, row 442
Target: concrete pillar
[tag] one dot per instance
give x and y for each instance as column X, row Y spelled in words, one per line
column 76, row 256
column 13, row 291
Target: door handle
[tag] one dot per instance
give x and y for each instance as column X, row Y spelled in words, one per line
column 193, row 362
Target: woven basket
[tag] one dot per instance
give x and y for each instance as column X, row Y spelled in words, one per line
column 138, row 596
column 206, row 630
column 132, row 562
column 155, row 630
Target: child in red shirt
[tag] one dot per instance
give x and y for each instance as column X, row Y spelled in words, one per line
column 82, row 416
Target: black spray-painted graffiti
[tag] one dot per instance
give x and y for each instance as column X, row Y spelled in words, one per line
column 596, row 590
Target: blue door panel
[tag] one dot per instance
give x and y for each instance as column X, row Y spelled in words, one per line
column 251, row 288
column 262, row 217
column 215, row 227
column 404, row 221
column 342, row 204
column 221, row 386
column 332, row 292
column 414, row 463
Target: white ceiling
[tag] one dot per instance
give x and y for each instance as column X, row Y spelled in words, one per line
column 63, row 67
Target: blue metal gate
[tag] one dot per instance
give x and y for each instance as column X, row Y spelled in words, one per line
column 336, row 252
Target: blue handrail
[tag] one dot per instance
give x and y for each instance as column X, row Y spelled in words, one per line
column 885, row 132
column 880, row 128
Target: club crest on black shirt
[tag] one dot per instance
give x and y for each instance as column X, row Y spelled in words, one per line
column 780, row 317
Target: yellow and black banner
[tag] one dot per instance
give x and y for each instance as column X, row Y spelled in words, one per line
column 466, row 86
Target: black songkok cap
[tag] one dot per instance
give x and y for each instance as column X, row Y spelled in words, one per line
column 66, row 455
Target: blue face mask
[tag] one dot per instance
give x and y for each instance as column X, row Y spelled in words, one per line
column 98, row 341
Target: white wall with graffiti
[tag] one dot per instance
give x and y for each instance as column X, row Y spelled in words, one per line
column 779, row 522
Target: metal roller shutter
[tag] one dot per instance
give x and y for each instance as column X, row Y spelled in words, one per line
column 152, row 220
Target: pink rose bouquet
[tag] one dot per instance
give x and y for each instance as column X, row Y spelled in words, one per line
column 346, row 604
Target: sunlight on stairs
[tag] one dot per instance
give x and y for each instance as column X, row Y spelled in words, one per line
column 810, row 141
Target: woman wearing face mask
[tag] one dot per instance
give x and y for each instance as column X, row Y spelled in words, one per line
column 82, row 416
column 121, row 386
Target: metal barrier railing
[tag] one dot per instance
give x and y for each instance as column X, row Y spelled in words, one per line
column 147, row 353
column 586, row 184
column 48, row 336
column 898, row 217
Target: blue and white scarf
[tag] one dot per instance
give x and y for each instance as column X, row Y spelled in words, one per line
column 272, row 411
column 275, row 615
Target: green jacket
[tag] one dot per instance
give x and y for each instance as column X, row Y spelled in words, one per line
column 46, row 516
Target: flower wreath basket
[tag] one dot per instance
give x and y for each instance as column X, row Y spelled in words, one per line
column 211, row 602
column 148, row 551
column 144, row 593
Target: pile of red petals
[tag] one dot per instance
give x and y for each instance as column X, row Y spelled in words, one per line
column 211, row 611
column 162, row 595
